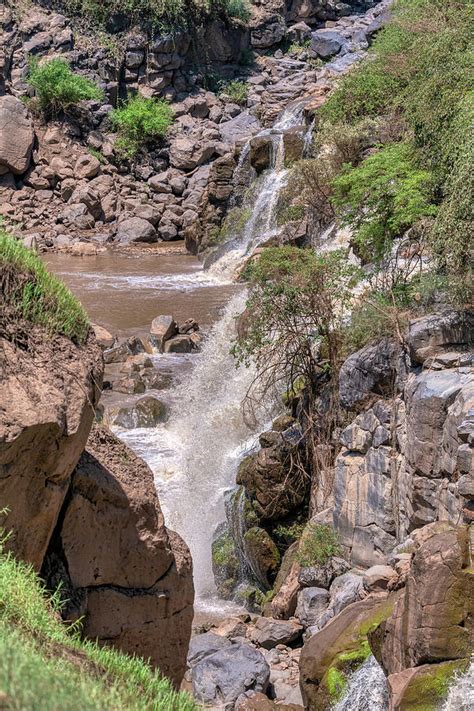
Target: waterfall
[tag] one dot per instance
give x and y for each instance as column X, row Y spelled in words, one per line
column 367, row 689
column 461, row 692
column 197, row 452
column 261, row 225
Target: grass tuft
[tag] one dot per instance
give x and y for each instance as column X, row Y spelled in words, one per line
column 28, row 291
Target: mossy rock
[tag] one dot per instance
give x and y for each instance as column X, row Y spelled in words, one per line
column 225, row 564
column 330, row 655
column 428, row 685
column 262, row 555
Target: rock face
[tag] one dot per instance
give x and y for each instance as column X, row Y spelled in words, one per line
column 406, row 460
column 48, row 395
column 16, row 136
column 430, row 633
column 124, row 571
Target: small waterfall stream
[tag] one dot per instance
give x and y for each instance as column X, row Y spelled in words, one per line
column 367, row 689
column 461, row 692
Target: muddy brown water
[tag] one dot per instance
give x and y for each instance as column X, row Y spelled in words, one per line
column 124, row 292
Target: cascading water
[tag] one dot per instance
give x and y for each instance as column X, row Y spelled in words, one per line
column 261, row 225
column 461, row 692
column 367, row 689
column 196, row 454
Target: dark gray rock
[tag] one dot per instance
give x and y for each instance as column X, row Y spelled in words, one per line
column 220, row 678
column 445, row 331
column 373, row 369
column 203, row 645
column 326, row 43
column 312, row 603
column 268, row 632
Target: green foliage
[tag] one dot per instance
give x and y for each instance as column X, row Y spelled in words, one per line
column 382, row 197
column 30, row 292
column 57, row 87
column 290, row 213
column 237, row 91
column 139, row 122
column 97, row 154
column 167, row 15
column 289, row 533
column 45, row 665
column 318, row 544
column 419, row 81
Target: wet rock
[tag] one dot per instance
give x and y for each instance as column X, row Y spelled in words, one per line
column 262, row 555
column 220, row 678
column 325, row 652
column 180, row 344
column 146, row 412
column 267, row 632
column 162, row 329
column 135, row 229
column 133, row 385
column 202, row 645
column 120, row 352
column 260, row 152
column 16, row 136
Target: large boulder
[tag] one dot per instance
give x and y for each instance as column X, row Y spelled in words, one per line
column 267, row 632
column 326, row 43
column 121, row 568
column 433, row 620
column 332, row 654
column 220, row 678
column 372, row 370
column 16, row 136
column 135, row 229
column 448, row 330
column 48, row 393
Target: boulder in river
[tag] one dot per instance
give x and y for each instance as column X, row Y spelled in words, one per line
column 148, row 411
column 161, row 330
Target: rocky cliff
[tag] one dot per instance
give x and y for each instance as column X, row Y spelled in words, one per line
column 85, row 516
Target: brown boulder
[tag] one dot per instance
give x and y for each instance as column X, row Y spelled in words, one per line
column 16, row 136
column 433, row 620
column 48, row 395
column 339, row 647
column 129, row 575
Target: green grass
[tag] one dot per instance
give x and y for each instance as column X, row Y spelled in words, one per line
column 237, row 91
column 45, row 666
column 318, row 544
column 30, row 292
column 57, row 87
column 141, row 122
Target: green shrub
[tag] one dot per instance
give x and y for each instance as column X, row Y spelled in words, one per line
column 140, row 122
column 45, row 665
column 318, row 544
column 237, row 91
column 28, row 291
column 167, row 15
column 57, row 87
column 383, row 197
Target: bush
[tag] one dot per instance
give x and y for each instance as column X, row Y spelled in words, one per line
column 28, row 291
column 140, row 122
column 382, row 198
column 318, row 544
column 237, row 91
column 57, row 87
column 168, row 15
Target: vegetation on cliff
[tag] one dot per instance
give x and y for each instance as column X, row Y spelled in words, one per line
column 45, row 665
column 57, row 87
column 155, row 14
column 140, row 122
column 29, row 292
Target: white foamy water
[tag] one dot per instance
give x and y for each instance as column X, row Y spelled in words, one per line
column 195, row 455
column 461, row 692
column 367, row 689
column 197, row 279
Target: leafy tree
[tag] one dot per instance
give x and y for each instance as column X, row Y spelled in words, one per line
column 383, row 197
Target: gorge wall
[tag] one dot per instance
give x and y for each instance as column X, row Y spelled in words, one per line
column 81, row 508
